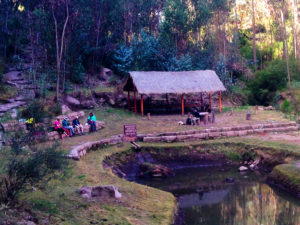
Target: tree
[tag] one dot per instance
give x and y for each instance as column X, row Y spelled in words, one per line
column 59, row 38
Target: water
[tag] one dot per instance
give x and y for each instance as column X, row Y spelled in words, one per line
column 206, row 199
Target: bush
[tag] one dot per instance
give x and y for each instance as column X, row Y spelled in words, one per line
column 36, row 109
column 265, row 84
column 286, row 107
column 23, row 165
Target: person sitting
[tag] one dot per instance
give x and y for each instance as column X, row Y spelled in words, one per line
column 77, row 126
column 60, row 130
column 92, row 122
column 196, row 117
column 30, row 124
column 188, row 120
column 66, row 125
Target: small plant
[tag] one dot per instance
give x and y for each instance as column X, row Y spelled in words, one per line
column 287, row 107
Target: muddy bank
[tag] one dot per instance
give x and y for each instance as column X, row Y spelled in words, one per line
column 286, row 177
column 131, row 164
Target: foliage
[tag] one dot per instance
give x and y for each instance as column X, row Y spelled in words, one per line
column 78, row 75
column 287, row 107
column 266, row 83
column 122, row 60
column 36, row 109
column 25, row 165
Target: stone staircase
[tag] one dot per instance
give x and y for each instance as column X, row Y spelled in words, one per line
column 213, row 133
column 25, row 91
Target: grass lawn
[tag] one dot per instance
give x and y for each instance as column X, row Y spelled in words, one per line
column 115, row 119
column 139, row 204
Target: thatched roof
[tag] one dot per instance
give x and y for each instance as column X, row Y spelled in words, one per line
column 153, row 82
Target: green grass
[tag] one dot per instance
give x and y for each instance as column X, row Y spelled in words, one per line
column 288, row 175
column 138, row 205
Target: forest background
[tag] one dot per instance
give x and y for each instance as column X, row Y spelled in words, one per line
column 253, row 45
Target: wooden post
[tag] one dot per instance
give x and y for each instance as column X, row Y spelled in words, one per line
column 182, row 104
column 134, row 96
column 220, row 101
column 201, row 99
column 128, row 99
column 167, row 98
column 142, row 105
column 210, row 106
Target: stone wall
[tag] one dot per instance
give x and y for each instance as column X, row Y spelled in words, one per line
column 55, row 136
column 79, row 151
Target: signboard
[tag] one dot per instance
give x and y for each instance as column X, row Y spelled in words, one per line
column 130, row 132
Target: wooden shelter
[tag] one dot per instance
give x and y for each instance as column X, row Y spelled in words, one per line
column 186, row 82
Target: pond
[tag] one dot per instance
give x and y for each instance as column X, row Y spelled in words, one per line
column 205, row 198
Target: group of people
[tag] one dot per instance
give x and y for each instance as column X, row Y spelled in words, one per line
column 76, row 127
column 195, row 118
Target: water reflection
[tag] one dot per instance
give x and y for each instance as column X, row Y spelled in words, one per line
column 206, row 199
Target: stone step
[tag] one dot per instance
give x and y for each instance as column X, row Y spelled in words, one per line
column 4, row 108
column 217, row 134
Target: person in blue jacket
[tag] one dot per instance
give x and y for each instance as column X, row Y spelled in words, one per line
column 92, row 122
column 66, row 125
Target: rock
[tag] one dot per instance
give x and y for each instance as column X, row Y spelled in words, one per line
column 254, row 165
column 72, row 101
column 14, row 113
column 243, row 168
column 105, row 191
column 87, row 104
column 111, row 101
column 154, row 170
column 65, row 109
column 269, row 108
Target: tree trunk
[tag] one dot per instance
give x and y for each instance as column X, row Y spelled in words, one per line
column 295, row 27
column 285, row 44
column 253, row 36
column 59, row 46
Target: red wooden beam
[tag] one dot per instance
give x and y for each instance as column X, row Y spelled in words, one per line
column 134, row 96
column 182, row 104
column 220, row 101
column 210, row 105
column 142, row 105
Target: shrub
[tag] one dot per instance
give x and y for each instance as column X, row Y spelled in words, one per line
column 265, row 84
column 36, row 109
column 23, row 165
column 286, row 107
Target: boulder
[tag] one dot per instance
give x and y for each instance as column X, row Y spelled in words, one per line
column 154, row 170
column 87, row 104
column 65, row 109
column 243, row 168
column 102, row 192
column 72, row 101
column 99, row 125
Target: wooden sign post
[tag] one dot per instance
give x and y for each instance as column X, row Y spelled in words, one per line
column 130, row 132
